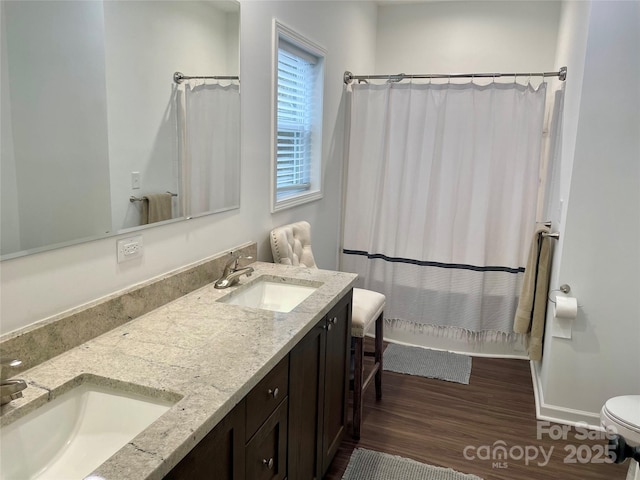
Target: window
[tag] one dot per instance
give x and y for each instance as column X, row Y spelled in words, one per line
column 298, row 85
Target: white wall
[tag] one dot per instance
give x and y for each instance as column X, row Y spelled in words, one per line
column 233, row 43
column 58, row 127
column 600, row 255
column 467, row 36
column 146, row 42
column 571, row 51
column 10, row 235
column 40, row 285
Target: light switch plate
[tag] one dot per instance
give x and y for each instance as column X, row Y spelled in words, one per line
column 129, row 248
column 135, row 180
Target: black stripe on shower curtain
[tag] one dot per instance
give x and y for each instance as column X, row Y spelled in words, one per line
column 426, row 263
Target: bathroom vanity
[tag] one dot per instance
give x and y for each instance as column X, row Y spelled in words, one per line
column 254, row 393
column 292, row 422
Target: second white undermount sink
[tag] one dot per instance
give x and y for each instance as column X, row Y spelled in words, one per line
column 270, row 294
column 73, row 434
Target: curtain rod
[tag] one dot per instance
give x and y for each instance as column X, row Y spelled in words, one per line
column 349, row 77
column 178, row 77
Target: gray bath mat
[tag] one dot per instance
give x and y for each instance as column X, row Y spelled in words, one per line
column 369, row 465
column 451, row 367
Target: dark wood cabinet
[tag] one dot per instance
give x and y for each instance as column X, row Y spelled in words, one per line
column 319, row 382
column 306, row 376
column 266, row 453
column 250, row 442
column 220, row 455
column 291, row 423
column 263, row 399
column 266, row 429
column 336, row 381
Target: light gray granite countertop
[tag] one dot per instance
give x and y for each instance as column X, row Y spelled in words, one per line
column 204, row 354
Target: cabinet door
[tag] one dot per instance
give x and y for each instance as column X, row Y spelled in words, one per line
column 267, row 450
column 336, row 384
column 219, row 455
column 306, row 380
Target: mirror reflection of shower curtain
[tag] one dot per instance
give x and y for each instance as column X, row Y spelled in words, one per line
column 441, row 202
column 209, row 133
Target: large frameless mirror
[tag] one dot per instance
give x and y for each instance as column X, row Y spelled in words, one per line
column 97, row 137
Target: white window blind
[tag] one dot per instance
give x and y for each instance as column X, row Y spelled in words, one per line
column 296, row 84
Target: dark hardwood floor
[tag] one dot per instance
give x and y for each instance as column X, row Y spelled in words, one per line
column 435, row 422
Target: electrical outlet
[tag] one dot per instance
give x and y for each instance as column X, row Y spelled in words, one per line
column 129, row 248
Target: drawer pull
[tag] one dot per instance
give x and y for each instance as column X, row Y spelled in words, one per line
column 274, row 393
column 268, row 463
column 333, row 320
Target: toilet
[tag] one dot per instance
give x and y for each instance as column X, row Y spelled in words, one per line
column 621, row 415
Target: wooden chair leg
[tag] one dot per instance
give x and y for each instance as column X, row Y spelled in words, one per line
column 358, row 373
column 378, row 355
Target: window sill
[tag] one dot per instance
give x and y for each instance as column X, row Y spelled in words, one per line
column 295, row 200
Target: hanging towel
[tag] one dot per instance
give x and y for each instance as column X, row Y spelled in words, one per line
column 156, row 208
column 532, row 304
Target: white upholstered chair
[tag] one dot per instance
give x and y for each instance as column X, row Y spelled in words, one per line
column 291, row 245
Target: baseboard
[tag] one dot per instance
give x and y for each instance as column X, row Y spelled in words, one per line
column 557, row 414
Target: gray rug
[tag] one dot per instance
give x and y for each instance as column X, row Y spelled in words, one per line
column 451, row 367
column 369, row 465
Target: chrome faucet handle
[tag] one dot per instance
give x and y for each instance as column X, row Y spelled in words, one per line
column 232, row 263
column 11, row 390
column 231, row 273
column 8, row 366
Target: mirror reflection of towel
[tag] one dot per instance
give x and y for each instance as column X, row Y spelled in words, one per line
column 156, row 207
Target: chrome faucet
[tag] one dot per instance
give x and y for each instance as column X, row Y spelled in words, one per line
column 10, row 389
column 231, row 273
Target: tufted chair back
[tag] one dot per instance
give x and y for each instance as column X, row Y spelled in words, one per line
column 291, row 245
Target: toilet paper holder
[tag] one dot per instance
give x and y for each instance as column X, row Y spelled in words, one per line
column 564, row 288
column 564, row 312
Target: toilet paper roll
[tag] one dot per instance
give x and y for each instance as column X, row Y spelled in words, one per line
column 566, row 307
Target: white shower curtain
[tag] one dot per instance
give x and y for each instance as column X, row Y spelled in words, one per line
column 441, row 202
column 209, row 137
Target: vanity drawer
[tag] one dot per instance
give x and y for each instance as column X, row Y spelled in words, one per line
column 266, row 453
column 266, row 396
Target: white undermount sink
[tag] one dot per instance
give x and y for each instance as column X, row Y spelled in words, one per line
column 270, row 294
column 70, row 436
